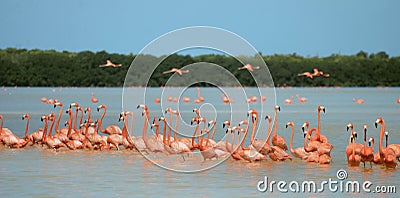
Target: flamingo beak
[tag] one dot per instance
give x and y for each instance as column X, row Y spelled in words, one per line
column 323, row 110
column 286, row 125
column 376, row 125
column 55, row 106
column 138, row 107
column 304, row 134
column 347, row 128
column 41, row 119
column 223, row 125
column 302, row 128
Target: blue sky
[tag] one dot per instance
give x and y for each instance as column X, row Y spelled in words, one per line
column 309, row 27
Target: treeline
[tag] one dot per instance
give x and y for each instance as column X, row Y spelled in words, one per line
column 21, row 67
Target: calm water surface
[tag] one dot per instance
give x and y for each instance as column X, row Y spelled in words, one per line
column 35, row 172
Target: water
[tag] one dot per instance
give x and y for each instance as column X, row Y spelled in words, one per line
column 35, row 172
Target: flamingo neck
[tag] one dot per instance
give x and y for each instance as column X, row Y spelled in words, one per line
column 69, row 125
column 291, row 140
column 194, row 134
column 169, row 128
column 165, row 133
column 253, row 128
column 26, row 127
column 269, row 132
column 319, row 124
column 76, row 119
column 275, row 124
column 208, row 138
column 51, row 127
column 245, row 135
column 87, row 130
column 1, row 125
column 44, row 131
column 100, row 122
column 144, row 126
column 157, row 130
column 58, row 119
column 176, row 126
column 213, row 133
column 365, row 142
column 131, row 126
column 381, row 137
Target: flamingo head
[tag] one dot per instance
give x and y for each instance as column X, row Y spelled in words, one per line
column 226, row 123
column 142, row 106
column 68, row 111
column 87, row 109
column 66, row 123
column 289, row 124
column 305, row 125
column 349, row 126
column 355, row 135
column 25, row 116
column 269, row 118
column 212, row 122
column 168, row 109
column 93, row 124
column 277, row 108
column 153, row 125
column 79, row 108
column 370, row 141
column 243, row 122
column 378, row 121
column 121, row 118
column 321, row 108
column 73, row 105
column 162, row 119
column 43, row 118
column 101, row 107
column 195, row 119
column 57, row 104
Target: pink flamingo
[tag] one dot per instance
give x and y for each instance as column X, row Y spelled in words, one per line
column 278, row 141
column 297, row 152
column 318, row 136
column 112, row 129
column 367, row 153
column 387, row 154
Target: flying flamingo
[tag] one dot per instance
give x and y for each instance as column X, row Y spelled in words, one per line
column 301, row 99
column 112, row 129
column 110, row 64
column 306, row 74
column 249, row 67
column 297, row 152
column 289, row 101
column 318, row 136
column 176, row 70
column 358, row 101
column 367, row 153
column 387, row 154
column 94, row 100
column 278, row 141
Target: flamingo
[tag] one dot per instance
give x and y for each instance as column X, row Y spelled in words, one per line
column 301, row 99
column 367, row 153
column 321, row 147
column 289, row 101
column 395, row 147
column 176, row 70
column 35, row 137
column 278, row 141
column 274, row 152
column 225, row 99
column 250, row 153
column 165, row 141
column 4, row 131
column 358, row 147
column 94, row 100
column 377, row 156
column 151, row 143
column 249, row 67
column 186, row 99
column 358, row 101
column 48, row 139
column 177, row 145
column 354, row 159
column 62, row 130
column 387, row 154
column 263, row 98
column 157, row 100
column 230, row 146
column 318, row 136
column 297, row 152
column 313, row 156
column 398, row 100
column 11, row 140
column 132, row 141
column 110, row 64
column 306, row 74
column 201, row 99
column 118, row 139
column 207, row 150
column 112, row 129
column 98, row 141
column 260, row 145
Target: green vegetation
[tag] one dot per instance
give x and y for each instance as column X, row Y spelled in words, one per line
column 23, row 67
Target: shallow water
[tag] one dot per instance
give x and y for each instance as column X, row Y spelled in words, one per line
column 33, row 171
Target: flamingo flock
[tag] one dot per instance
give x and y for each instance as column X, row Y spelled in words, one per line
column 361, row 153
column 82, row 132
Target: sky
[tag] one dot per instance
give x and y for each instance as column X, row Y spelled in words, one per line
column 305, row 27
